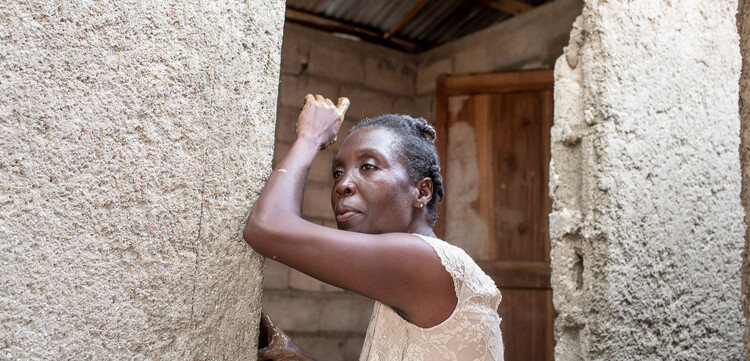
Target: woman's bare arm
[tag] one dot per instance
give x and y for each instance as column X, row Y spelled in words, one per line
column 282, row 196
column 397, row 269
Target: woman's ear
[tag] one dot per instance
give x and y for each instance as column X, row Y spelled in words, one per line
column 424, row 192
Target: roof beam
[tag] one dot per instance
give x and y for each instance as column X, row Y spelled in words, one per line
column 409, row 14
column 514, row 7
column 319, row 22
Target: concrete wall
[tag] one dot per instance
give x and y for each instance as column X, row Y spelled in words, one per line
column 646, row 227
column 135, row 137
column 743, row 25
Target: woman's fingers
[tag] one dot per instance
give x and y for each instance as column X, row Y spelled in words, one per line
column 343, row 105
column 318, row 100
column 309, row 99
column 321, row 119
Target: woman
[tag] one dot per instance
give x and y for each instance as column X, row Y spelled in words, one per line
column 433, row 301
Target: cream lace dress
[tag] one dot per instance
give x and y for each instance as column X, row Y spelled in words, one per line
column 472, row 332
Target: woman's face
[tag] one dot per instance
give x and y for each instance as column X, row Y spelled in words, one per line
column 371, row 191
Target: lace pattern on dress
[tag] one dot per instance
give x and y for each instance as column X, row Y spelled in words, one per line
column 472, row 332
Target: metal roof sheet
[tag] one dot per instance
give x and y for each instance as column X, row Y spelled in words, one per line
column 423, row 23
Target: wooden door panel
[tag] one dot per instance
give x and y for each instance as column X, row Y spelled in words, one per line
column 522, row 320
column 518, row 274
column 493, row 138
column 470, row 150
column 517, row 167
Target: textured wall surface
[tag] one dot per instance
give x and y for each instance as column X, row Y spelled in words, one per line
column 134, row 138
column 743, row 25
column 646, row 226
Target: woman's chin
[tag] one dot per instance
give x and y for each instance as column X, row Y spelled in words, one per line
column 350, row 221
column 348, row 226
column 344, row 226
column 355, row 227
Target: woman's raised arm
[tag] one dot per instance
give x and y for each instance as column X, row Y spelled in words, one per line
column 397, row 269
column 281, row 198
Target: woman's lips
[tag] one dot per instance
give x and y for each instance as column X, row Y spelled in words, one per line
column 345, row 216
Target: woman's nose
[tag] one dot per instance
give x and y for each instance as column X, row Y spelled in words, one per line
column 345, row 187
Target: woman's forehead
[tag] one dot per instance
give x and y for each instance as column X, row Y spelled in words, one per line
column 368, row 140
column 374, row 137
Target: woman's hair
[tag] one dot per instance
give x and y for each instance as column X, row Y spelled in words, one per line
column 416, row 139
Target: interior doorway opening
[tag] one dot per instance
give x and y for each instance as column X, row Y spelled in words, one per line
column 379, row 78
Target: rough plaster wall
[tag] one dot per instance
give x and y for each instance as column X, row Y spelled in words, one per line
column 135, row 136
column 646, row 227
column 743, row 25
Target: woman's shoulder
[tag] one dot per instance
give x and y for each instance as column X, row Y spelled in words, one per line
column 442, row 246
column 462, row 267
column 454, row 258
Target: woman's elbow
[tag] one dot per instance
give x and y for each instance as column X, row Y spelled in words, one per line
column 253, row 234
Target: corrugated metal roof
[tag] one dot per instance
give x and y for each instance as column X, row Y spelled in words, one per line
column 435, row 22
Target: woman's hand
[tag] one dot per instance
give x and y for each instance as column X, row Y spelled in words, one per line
column 320, row 120
column 275, row 345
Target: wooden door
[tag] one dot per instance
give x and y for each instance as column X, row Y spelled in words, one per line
column 493, row 139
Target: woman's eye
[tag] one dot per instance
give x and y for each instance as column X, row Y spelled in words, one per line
column 337, row 173
column 368, row 166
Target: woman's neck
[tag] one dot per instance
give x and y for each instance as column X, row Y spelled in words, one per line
column 423, row 229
